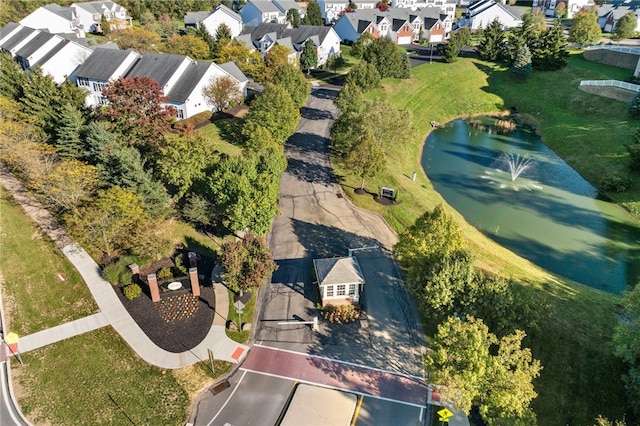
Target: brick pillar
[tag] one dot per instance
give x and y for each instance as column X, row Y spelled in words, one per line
column 193, row 261
column 153, row 287
column 135, row 272
column 195, row 284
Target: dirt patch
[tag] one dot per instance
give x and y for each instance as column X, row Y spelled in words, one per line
column 616, row 93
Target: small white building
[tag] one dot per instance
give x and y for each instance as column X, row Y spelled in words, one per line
column 340, row 280
column 223, row 15
column 480, row 14
column 256, row 12
column 55, row 19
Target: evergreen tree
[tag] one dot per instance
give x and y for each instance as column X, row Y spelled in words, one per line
column 68, row 142
column 492, row 42
column 451, row 50
column 521, row 68
column 551, row 52
column 308, row 57
column 204, row 34
column 293, row 17
column 12, row 78
column 625, row 28
column 41, row 99
column 222, row 38
column 313, row 15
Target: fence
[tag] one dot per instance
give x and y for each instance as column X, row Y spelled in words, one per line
column 611, row 83
column 622, row 49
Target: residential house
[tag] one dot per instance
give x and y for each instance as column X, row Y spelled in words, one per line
column 90, row 15
column 286, row 5
column 63, row 60
column 263, row 37
column 340, row 280
column 609, row 13
column 100, row 68
column 447, row 6
column 256, row 12
column 403, row 26
column 482, row 13
column 558, row 7
column 331, row 10
column 15, row 36
column 55, row 19
column 213, row 19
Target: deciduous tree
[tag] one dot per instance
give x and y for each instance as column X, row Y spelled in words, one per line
column 66, row 185
column 366, row 157
column 384, row 55
column 190, row 45
column 626, row 27
column 136, row 109
column 274, row 110
column 248, row 60
column 222, row 91
column 585, row 29
column 364, row 75
column 276, row 57
column 247, row 262
column 137, row 39
column 292, row 79
column 350, row 99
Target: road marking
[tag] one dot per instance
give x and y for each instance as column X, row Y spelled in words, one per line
column 356, row 413
column 228, row 399
column 5, row 397
column 395, row 373
column 322, row 385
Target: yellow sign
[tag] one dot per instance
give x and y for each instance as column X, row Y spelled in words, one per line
column 11, row 338
column 445, row 415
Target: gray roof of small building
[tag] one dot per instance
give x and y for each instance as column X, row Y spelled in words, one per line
column 157, row 66
column 102, row 63
column 232, row 69
column 94, row 6
column 188, row 81
column 264, row 6
column 64, row 12
column 34, row 44
column 281, row 31
column 194, row 18
column 17, row 38
column 51, row 53
column 8, row 28
column 338, row 270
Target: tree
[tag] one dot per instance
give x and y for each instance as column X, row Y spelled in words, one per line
column 203, row 33
column 433, row 235
column 68, row 142
column 366, row 158
column 12, row 78
column 313, row 15
column 626, row 345
column 274, row 110
column 294, row 82
column 350, row 99
column 384, row 55
column 461, row 364
column 336, row 62
column 492, row 41
column 136, row 109
column 293, row 17
column 634, row 108
column 190, row 45
column 197, row 210
column 521, row 68
column 463, row 37
column 634, row 148
column 551, row 52
column 276, row 57
column 361, row 44
column 67, row 184
column 247, row 262
column 221, row 38
column 222, row 91
column 308, row 57
column 107, row 226
column 451, row 50
column 585, row 29
column 364, row 75
column 248, row 60
column 626, row 27
column 138, row 39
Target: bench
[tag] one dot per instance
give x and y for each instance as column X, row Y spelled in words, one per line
column 220, row 386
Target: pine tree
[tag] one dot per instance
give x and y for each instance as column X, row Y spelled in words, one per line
column 308, row 57
column 68, row 143
column 492, row 42
column 521, row 68
column 41, row 99
column 12, row 78
column 552, row 50
column 451, row 50
column 313, row 15
column 204, row 34
column 293, row 17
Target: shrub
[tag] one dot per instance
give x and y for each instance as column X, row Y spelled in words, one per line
column 165, row 274
column 180, row 266
column 132, row 291
column 527, row 121
column 613, row 182
column 342, row 314
column 505, row 126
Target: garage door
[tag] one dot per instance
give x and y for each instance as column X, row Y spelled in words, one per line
column 405, row 40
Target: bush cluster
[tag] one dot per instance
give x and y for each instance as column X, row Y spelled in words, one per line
column 132, row 291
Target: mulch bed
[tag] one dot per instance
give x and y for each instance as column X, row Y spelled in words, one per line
column 179, row 334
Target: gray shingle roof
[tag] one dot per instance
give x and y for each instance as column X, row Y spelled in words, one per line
column 94, row 6
column 34, row 44
column 194, row 18
column 285, row 5
column 157, row 66
column 339, row 270
column 232, row 69
column 264, row 6
column 17, row 38
column 297, row 35
column 8, row 28
column 64, row 12
column 102, row 63
column 188, row 82
column 225, row 9
column 58, row 47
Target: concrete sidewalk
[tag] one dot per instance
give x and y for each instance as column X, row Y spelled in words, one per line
column 111, row 309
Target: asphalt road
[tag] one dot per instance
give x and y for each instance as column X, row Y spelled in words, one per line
column 317, row 221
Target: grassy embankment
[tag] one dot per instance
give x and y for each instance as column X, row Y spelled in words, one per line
column 95, row 377
column 581, row 377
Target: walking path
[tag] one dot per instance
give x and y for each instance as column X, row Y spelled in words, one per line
column 112, row 311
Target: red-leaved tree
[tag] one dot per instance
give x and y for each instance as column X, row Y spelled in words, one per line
column 136, row 109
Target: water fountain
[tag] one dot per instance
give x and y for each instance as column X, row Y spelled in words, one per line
column 515, row 165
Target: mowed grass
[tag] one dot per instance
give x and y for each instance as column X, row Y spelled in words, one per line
column 41, row 289
column 581, row 376
column 94, row 378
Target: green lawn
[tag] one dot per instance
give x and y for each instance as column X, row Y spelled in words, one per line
column 93, row 378
column 581, row 377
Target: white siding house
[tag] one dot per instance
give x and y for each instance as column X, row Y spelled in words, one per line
column 55, row 19
column 257, row 11
column 64, row 60
column 223, row 15
column 479, row 15
column 548, row 7
column 90, row 15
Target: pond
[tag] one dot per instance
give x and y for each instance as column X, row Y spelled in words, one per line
column 518, row 192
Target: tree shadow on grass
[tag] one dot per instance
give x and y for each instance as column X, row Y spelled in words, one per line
column 230, row 130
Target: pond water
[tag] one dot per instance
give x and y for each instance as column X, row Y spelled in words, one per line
column 522, row 195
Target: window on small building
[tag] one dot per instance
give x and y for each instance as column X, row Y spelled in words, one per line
column 342, row 288
column 329, row 291
column 352, row 289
